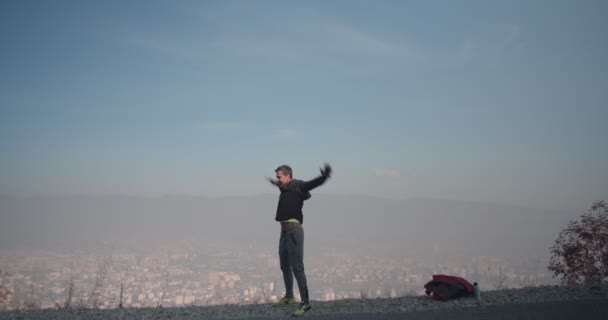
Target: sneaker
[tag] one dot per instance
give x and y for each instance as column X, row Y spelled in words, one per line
column 286, row 300
column 304, row 306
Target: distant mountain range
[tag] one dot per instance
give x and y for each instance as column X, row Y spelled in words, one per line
column 369, row 224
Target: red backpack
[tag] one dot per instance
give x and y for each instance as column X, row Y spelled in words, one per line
column 448, row 287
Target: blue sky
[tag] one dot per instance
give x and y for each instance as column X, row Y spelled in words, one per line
column 500, row 101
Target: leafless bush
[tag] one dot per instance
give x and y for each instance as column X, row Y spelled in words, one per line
column 163, row 288
column 121, row 291
column 4, row 292
column 70, row 293
column 499, row 279
column 127, row 297
column 386, row 291
column 473, row 269
column 18, row 297
column 24, row 298
column 264, row 295
column 365, row 293
column 100, row 279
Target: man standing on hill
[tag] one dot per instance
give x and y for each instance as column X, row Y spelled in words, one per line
column 291, row 243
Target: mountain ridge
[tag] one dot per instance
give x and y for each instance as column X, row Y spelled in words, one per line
column 352, row 221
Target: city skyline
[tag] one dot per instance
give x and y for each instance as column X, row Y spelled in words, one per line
column 202, row 275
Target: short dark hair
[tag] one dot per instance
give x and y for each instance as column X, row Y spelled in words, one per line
column 285, row 169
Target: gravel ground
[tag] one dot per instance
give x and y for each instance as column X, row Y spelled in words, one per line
column 326, row 310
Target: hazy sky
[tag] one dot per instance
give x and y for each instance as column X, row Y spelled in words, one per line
column 501, row 101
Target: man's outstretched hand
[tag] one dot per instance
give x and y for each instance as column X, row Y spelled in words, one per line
column 326, row 170
column 274, row 182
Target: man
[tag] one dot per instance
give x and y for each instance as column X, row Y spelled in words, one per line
column 291, row 243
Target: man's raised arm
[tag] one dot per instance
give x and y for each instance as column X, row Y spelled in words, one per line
column 272, row 181
column 325, row 174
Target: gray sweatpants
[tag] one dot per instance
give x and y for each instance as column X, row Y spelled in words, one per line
column 291, row 254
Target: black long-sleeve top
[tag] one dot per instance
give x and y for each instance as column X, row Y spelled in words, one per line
column 292, row 198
